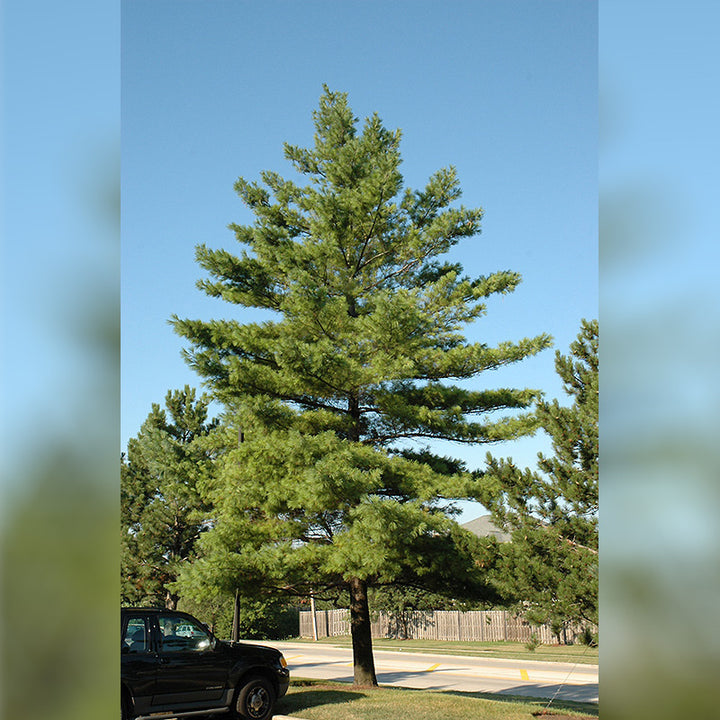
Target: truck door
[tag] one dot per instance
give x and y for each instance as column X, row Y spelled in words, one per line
column 189, row 670
column 139, row 662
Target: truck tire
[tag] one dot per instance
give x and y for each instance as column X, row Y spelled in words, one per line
column 255, row 699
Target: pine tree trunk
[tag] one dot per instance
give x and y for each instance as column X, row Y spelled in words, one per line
column 363, row 661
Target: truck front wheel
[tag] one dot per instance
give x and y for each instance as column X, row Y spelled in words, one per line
column 255, row 699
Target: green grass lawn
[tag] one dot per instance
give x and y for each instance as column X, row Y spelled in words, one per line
column 324, row 700
column 514, row 650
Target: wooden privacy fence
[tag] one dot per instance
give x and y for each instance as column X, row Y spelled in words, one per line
column 475, row 625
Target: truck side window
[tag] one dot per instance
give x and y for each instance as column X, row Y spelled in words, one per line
column 182, row 635
column 136, row 636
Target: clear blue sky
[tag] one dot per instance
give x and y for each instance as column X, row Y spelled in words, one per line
column 505, row 91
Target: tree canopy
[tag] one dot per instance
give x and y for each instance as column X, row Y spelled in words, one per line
column 162, row 512
column 361, row 365
column 551, row 566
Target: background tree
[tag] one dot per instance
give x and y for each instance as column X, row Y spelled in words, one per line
column 551, row 565
column 405, row 607
column 330, row 488
column 263, row 618
column 161, row 510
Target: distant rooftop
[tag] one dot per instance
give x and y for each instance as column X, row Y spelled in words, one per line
column 484, row 527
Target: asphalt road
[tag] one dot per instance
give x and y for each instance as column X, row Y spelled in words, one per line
column 562, row 681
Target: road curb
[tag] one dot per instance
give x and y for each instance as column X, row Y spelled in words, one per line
column 285, row 717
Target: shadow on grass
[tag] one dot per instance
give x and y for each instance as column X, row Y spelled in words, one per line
column 305, row 694
column 556, row 706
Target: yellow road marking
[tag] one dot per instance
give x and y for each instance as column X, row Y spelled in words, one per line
column 524, row 675
column 432, row 667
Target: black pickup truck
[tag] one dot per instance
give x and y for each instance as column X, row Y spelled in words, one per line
column 173, row 667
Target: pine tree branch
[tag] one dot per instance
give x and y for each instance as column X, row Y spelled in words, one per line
column 386, row 438
column 359, row 265
column 582, row 547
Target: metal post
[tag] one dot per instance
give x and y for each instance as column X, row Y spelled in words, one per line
column 236, row 608
column 314, row 617
column 236, row 617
